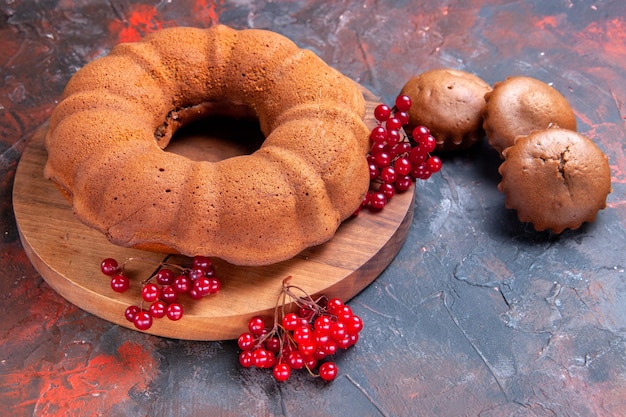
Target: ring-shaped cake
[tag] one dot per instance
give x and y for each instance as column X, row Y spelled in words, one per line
column 107, row 138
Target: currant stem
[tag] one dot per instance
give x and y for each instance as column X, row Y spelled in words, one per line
column 304, row 300
column 156, row 270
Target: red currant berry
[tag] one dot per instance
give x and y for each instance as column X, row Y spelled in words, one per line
column 281, row 372
column 202, row 286
column 382, row 112
column 271, row 359
column 307, row 347
column 334, row 305
column 403, row 183
column 322, row 324
column 393, row 123
column 330, row 348
column 320, row 353
column 210, row 271
column 202, row 262
column 376, row 148
column 131, row 312
column 165, row 276
column 420, row 172
column 246, row 358
column 388, row 174
column 389, row 190
column 366, row 199
column 150, row 292
column 290, row 321
column 345, row 343
column 302, row 334
column 157, row 309
column 344, row 314
column 214, row 285
column 305, row 312
column 382, row 159
column 338, row 331
column 168, row 294
column 373, row 171
column 174, row 311
column 262, row 358
column 417, row 156
column 256, row 325
column 246, row 341
column 428, row 144
column 354, row 324
column 109, row 266
column 196, row 273
column 378, row 134
column 310, row 362
column 378, row 201
column 328, row 371
column 142, row 320
column 419, row 133
column 321, row 339
column 194, row 294
column 182, row 284
column 287, row 348
column 400, row 149
column 434, row 164
column 402, row 166
column 393, row 137
column 295, row 360
column 273, row 344
column 403, row 117
column 403, row 102
column 120, row 283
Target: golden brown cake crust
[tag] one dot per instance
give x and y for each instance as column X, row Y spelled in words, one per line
column 451, row 104
column 117, row 114
column 519, row 105
column 555, row 179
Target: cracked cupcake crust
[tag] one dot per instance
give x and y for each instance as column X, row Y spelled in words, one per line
column 555, row 179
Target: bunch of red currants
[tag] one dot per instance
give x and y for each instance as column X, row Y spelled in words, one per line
column 300, row 339
column 395, row 160
column 161, row 292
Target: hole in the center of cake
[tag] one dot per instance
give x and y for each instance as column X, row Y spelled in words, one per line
column 211, row 131
column 215, row 138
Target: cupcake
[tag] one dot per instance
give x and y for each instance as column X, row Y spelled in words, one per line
column 555, row 178
column 520, row 105
column 451, row 104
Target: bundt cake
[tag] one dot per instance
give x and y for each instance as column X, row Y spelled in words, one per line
column 107, row 138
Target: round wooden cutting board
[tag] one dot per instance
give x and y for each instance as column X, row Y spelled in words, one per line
column 68, row 254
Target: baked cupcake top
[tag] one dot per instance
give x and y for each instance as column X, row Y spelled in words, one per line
column 519, row 105
column 555, row 179
column 451, row 104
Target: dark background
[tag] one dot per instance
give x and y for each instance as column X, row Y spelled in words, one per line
column 478, row 315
